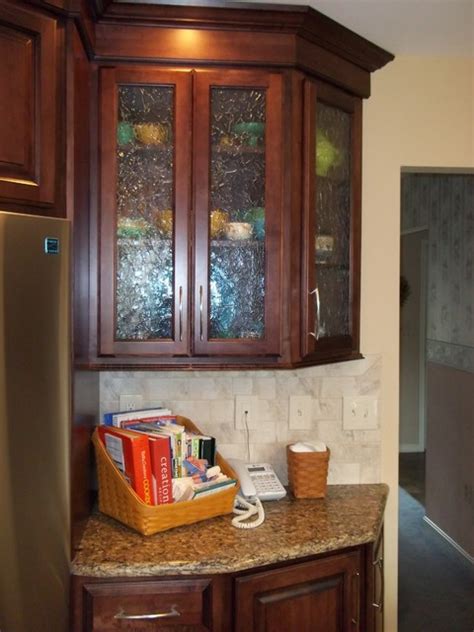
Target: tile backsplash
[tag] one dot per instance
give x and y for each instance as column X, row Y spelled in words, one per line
column 208, row 398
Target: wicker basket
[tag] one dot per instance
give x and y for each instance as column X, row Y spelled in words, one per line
column 118, row 500
column 307, row 473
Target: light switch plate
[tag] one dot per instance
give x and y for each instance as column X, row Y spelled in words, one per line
column 360, row 413
column 301, row 407
column 246, row 404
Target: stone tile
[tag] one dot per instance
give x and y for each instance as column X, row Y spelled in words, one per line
column 337, row 387
column 171, row 388
column 362, row 436
column 264, row 387
column 233, row 451
column 327, row 408
column 287, row 436
column 242, row 386
column 343, row 473
column 330, row 432
column 289, row 385
column 275, row 410
column 210, row 388
column 274, row 454
column 222, row 410
column 198, row 411
column 370, row 473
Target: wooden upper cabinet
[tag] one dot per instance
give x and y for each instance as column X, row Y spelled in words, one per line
column 230, row 185
column 237, row 179
column 145, row 157
column 331, row 223
column 28, row 106
column 155, row 298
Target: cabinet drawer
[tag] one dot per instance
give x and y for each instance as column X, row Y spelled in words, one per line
column 156, row 605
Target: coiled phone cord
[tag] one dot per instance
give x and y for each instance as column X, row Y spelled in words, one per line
column 246, row 510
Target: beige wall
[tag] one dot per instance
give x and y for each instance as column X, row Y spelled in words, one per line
column 420, row 115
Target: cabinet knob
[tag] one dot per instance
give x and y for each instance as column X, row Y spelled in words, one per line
column 122, row 615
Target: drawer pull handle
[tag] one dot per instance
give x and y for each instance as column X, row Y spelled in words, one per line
column 318, row 313
column 378, row 563
column 201, row 336
column 180, row 313
column 121, row 614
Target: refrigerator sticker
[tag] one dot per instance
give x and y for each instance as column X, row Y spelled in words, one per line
column 51, row 245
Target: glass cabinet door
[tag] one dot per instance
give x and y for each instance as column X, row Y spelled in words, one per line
column 237, row 180
column 145, row 132
column 332, row 222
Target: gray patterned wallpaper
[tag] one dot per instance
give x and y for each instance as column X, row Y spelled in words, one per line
column 445, row 204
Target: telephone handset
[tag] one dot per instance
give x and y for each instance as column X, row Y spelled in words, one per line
column 258, row 482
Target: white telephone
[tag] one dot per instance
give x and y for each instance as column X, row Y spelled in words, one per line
column 258, row 482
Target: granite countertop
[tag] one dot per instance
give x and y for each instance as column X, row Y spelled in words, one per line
column 350, row 515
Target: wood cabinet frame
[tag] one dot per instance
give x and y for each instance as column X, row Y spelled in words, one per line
column 330, row 348
column 110, row 80
column 285, row 49
column 238, row 601
column 272, row 83
column 28, row 169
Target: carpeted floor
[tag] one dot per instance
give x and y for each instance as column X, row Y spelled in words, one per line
column 436, row 583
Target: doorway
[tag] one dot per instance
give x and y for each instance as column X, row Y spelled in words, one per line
column 413, row 289
column 436, row 547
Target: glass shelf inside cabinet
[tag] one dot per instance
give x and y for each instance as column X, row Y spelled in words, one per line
column 232, row 150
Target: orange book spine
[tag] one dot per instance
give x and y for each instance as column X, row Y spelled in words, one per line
column 130, row 452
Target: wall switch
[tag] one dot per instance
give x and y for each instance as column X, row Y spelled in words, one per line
column 360, row 413
column 131, row 402
column 300, row 412
column 246, row 412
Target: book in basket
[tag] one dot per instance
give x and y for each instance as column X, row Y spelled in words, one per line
column 130, row 453
column 118, row 500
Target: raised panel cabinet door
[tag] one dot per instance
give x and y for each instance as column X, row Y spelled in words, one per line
column 331, row 250
column 237, row 194
column 28, row 108
column 145, row 191
column 317, row 596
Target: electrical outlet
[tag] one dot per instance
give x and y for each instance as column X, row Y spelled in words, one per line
column 360, row 413
column 300, row 412
column 246, row 412
column 131, row 402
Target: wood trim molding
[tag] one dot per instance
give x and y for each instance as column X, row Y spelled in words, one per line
column 303, row 21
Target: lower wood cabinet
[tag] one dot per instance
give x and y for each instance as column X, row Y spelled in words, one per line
column 317, row 596
column 329, row 593
column 187, row 605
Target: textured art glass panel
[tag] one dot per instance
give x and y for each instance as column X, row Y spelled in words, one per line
column 145, row 213
column 237, row 213
column 332, row 221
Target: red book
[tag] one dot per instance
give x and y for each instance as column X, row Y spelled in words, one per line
column 161, row 468
column 130, row 451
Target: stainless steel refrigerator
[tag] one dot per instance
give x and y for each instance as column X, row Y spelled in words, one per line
column 34, row 423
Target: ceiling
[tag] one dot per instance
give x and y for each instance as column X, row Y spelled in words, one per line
column 406, row 27
column 403, row 27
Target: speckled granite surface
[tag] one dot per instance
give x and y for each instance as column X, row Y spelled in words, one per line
column 349, row 515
